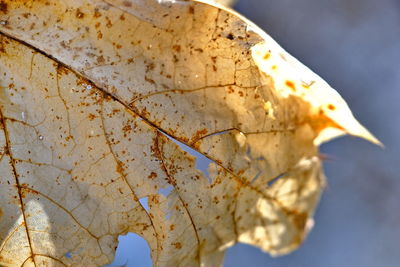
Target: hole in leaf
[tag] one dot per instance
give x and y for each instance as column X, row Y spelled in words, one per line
column 273, row 180
column 132, row 251
column 166, row 191
column 202, row 162
column 256, row 177
column 145, row 203
column 68, row 255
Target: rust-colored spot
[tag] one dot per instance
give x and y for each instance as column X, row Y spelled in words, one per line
column 152, row 175
column 127, row 128
column 91, row 116
column 127, row 3
column 291, row 85
column 79, row 14
column 3, row 7
column 120, row 168
column 100, row 59
column 191, row 10
column 1, row 212
column 82, row 81
column 172, row 227
column 61, row 70
column 122, row 17
column 199, row 134
column 109, row 23
column 331, row 107
column 96, row 14
column 177, row 48
column 154, row 199
column 150, row 67
column 2, row 48
column 147, row 79
column 267, row 55
column 177, row 245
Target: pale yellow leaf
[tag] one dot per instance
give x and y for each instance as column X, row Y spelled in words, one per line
column 93, row 94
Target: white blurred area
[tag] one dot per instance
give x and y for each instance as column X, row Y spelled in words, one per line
column 355, row 46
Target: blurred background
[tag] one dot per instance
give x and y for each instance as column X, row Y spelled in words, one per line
column 355, row 46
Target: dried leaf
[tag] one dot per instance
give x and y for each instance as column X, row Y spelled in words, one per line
column 92, row 94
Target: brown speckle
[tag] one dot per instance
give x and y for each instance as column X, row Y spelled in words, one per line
column 291, row 85
column 96, row 14
column 91, row 116
column 79, row 14
column 149, row 80
column 100, row 60
column 177, row 48
column 127, row 3
column 199, row 134
column 152, row 175
column 267, row 55
column 191, row 10
column 177, row 245
column 150, row 67
column 331, row 107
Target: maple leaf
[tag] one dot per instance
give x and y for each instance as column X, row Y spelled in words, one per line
column 95, row 95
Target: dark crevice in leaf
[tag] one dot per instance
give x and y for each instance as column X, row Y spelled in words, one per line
column 132, row 249
column 275, row 179
column 145, row 203
column 202, row 162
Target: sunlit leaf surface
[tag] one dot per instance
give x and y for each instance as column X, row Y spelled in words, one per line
column 95, row 95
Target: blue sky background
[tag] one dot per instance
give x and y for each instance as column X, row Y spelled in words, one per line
column 355, row 46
